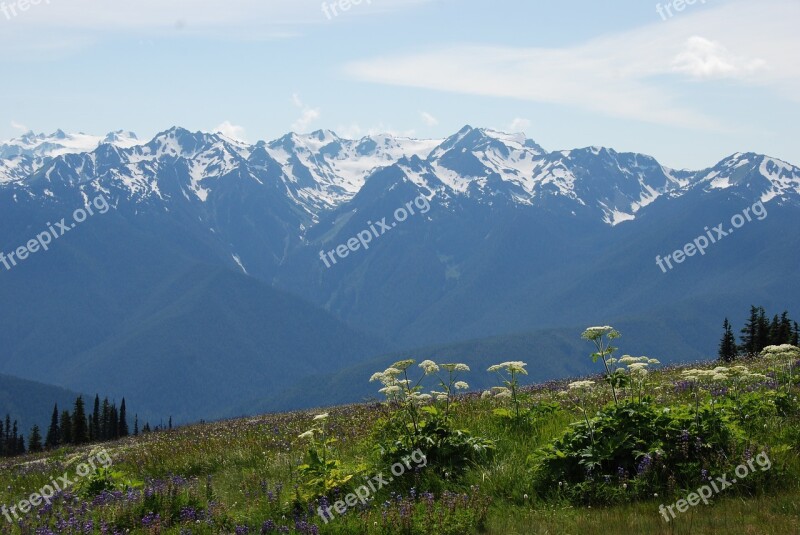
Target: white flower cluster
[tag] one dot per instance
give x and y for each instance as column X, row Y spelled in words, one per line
column 595, row 333
column 396, row 389
column 514, row 366
column 583, row 386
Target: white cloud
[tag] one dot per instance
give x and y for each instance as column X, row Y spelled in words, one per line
column 630, row 75
column 428, row 119
column 519, row 125
column 307, row 115
column 19, row 126
column 231, row 130
column 50, row 27
column 707, row 59
column 356, row 131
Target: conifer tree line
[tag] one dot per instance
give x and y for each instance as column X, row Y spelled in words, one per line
column 11, row 441
column 102, row 423
column 758, row 333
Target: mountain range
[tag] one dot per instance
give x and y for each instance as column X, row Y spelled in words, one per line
column 202, row 293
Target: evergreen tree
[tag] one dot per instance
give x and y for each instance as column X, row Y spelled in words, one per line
column 763, row 331
column 105, row 420
column 17, row 442
column 796, row 336
column 80, row 433
column 35, row 440
column 114, row 423
column 750, row 333
column 785, row 330
column 96, row 418
column 53, row 432
column 727, row 346
column 66, row 428
column 136, row 425
column 774, row 331
column 123, row 421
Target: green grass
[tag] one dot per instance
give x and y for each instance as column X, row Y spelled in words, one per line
column 244, row 472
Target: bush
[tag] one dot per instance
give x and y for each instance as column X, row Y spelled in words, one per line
column 636, row 450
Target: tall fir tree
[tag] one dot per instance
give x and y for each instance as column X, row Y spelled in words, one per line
column 96, row 418
column 727, row 346
column 123, row 420
column 763, row 331
column 35, row 440
column 749, row 332
column 105, row 420
column 80, row 433
column 136, row 425
column 53, row 432
column 114, row 423
column 784, row 330
column 796, row 336
column 775, row 331
column 66, row 428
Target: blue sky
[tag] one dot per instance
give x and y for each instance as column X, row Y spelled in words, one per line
column 715, row 78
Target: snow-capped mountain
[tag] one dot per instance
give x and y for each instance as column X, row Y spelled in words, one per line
column 320, row 172
column 212, row 240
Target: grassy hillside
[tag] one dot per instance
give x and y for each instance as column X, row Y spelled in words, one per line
column 557, row 457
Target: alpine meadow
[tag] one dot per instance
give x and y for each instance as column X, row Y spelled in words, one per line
column 399, row 267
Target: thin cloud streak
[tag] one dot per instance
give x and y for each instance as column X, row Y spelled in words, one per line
column 630, row 75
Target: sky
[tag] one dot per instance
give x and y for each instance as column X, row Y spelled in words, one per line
column 686, row 83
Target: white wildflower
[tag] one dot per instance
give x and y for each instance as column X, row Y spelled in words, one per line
column 429, row 367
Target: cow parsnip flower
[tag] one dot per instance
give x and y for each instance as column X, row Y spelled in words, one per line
column 429, row 367
column 582, row 385
column 456, row 367
column 402, row 365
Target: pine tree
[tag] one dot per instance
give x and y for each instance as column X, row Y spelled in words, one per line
column 35, row 440
column 105, row 421
column 796, row 336
column 96, row 418
column 80, row 433
column 750, row 333
column 17, row 442
column 114, row 423
column 53, row 432
column 762, row 333
column 136, row 425
column 785, row 329
column 774, row 331
column 66, row 428
column 123, row 421
column 727, row 346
